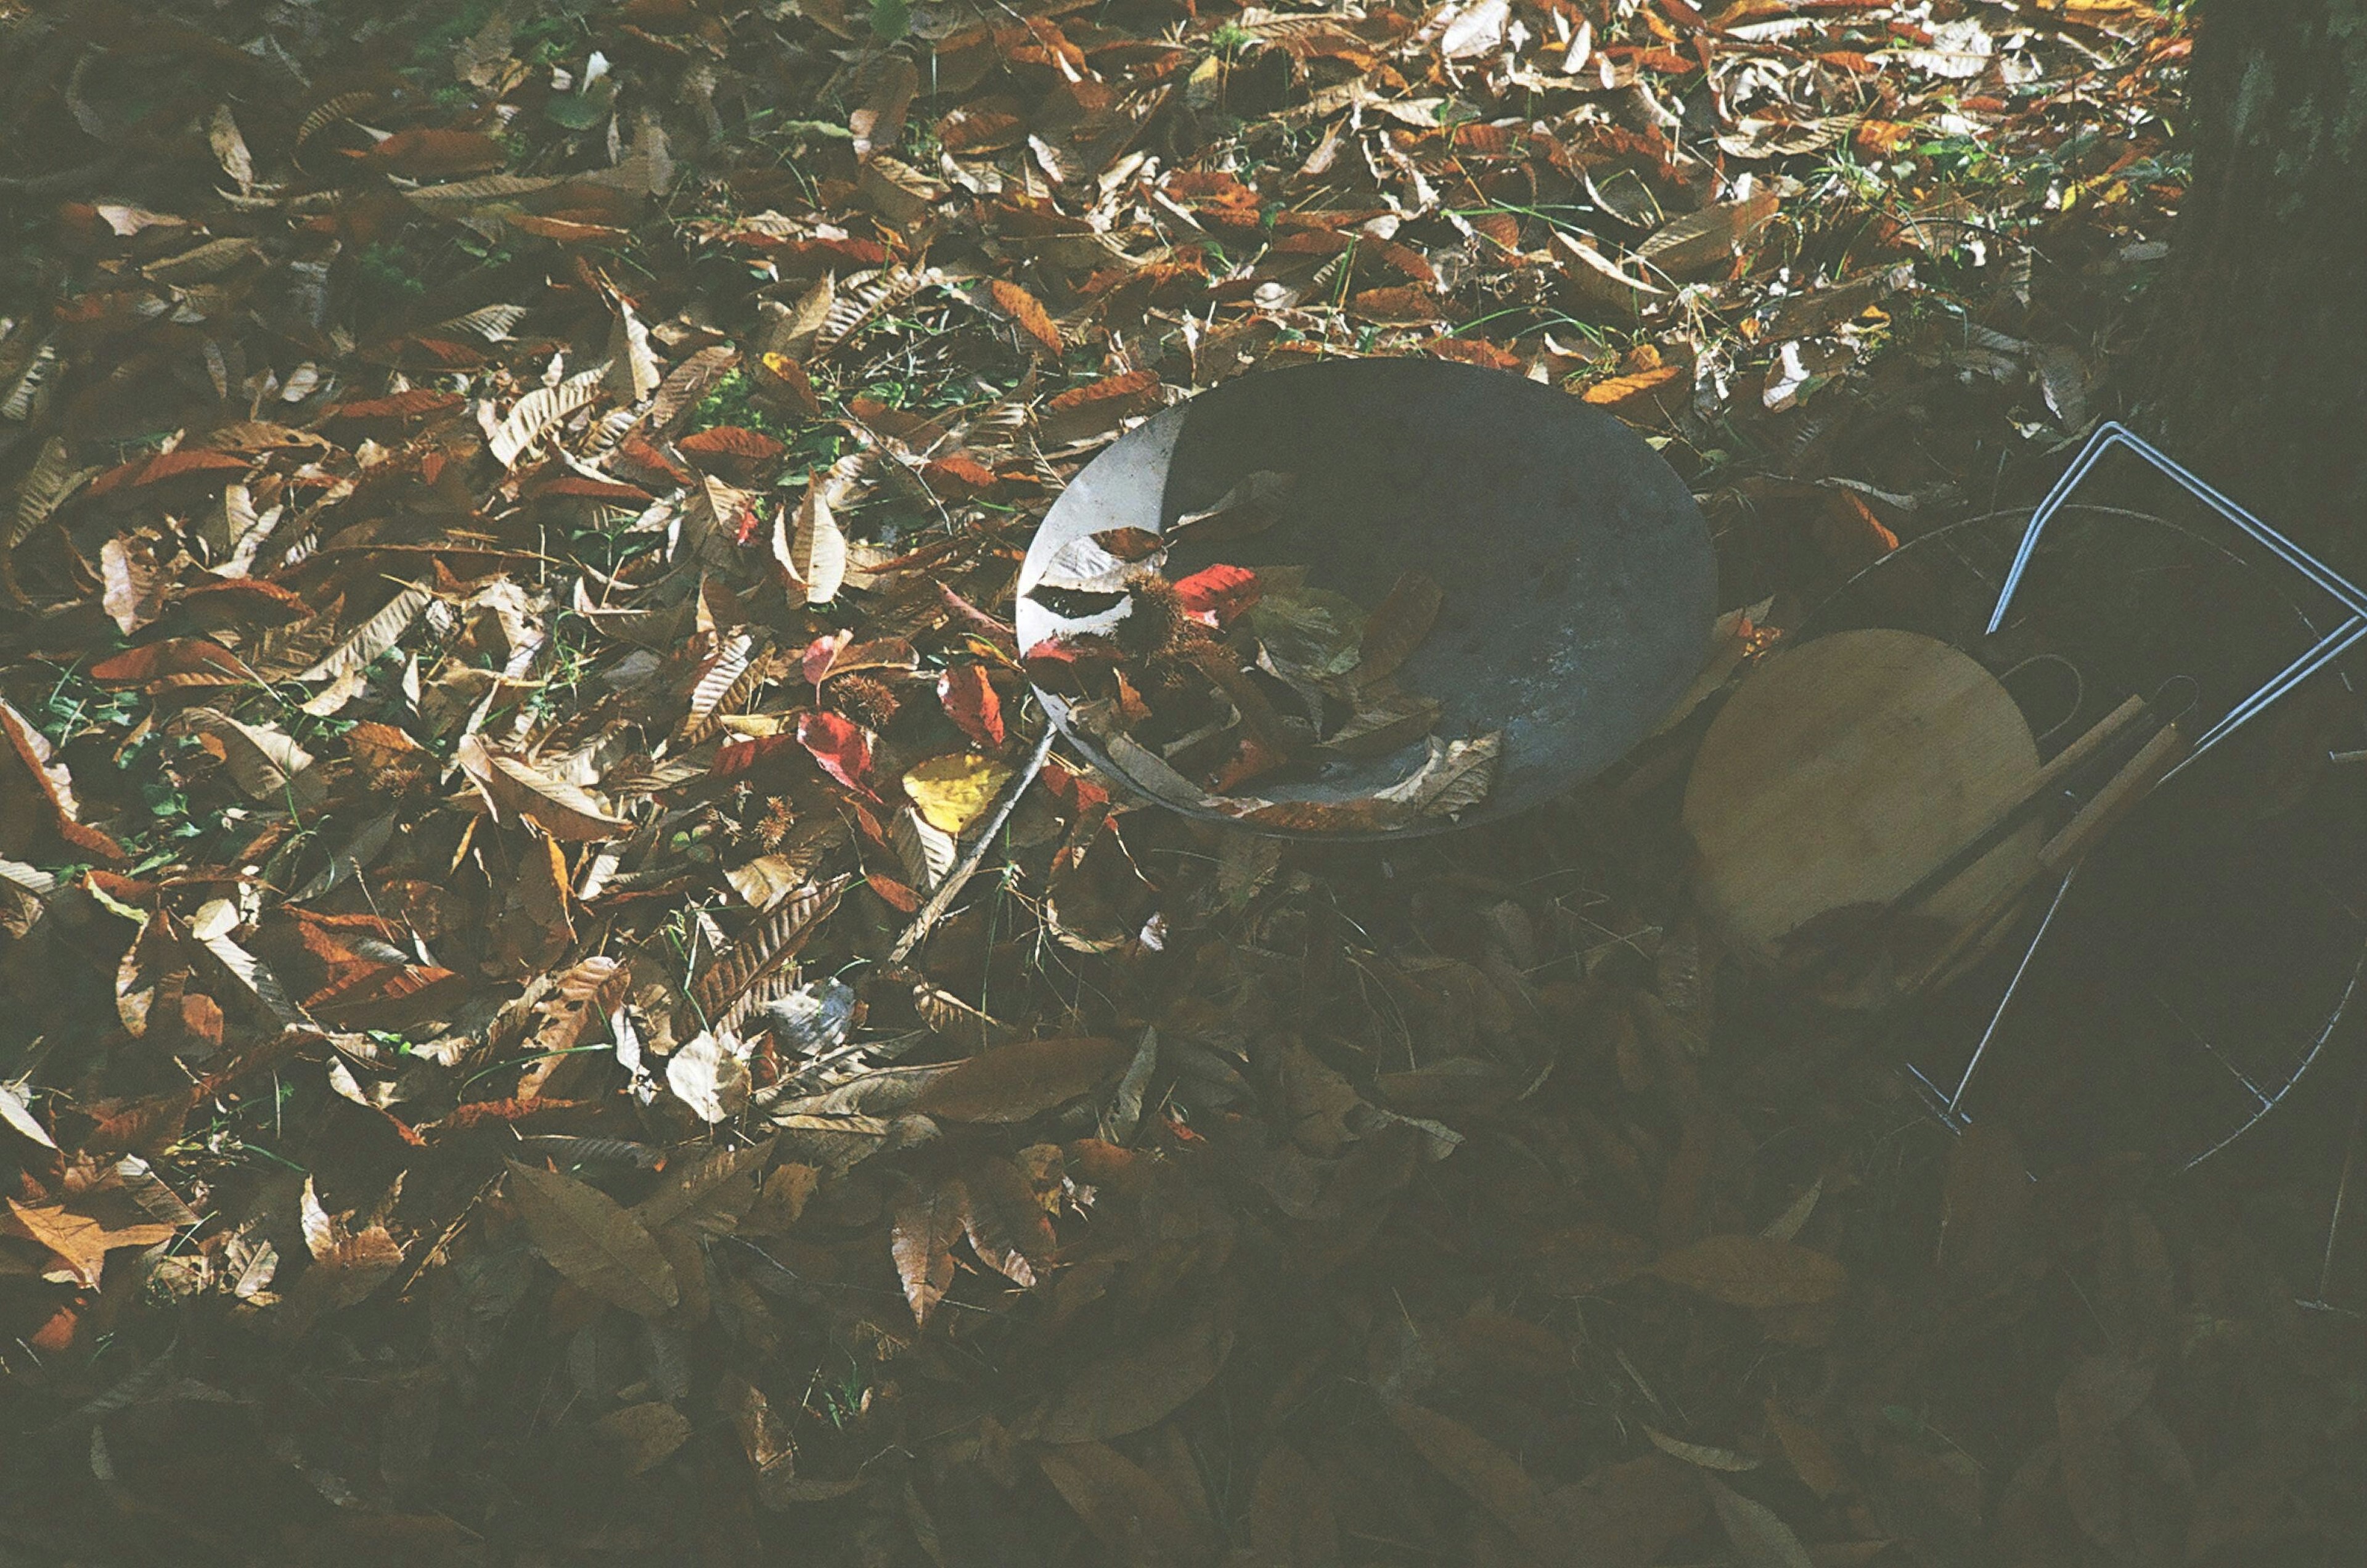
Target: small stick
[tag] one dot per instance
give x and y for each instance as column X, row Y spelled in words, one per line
column 950, row 889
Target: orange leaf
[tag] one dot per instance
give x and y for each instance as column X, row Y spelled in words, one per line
column 1029, row 313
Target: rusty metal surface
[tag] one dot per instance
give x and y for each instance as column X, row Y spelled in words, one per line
column 1579, row 585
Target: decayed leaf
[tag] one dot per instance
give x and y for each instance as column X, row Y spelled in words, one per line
column 1702, row 1454
column 583, row 1233
column 1008, row 1227
column 1138, row 1387
column 37, row 795
column 764, row 948
column 265, row 761
column 707, row 1192
column 646, row 1435
column 1012, row 1083
column 1750, row 1270
column 362, row 646
column 48, row 485
column 928, row 1222
column 1136, row 1519
column 928, row 851
column 1492, row 1477
column 1398, row 625
column 1760, row 1538
column 1291, row 1521
column 134, row 584
column 81, row 1233
column 1702, row 239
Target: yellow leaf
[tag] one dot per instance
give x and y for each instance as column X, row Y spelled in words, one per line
column 956, row 790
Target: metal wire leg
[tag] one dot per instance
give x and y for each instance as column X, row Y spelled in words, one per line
column 2114, row 433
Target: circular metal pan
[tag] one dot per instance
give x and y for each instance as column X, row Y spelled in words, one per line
column 1578, row 584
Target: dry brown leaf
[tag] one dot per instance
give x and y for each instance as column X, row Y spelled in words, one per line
column 588, row 1237
column 1398, row 625
column 1029, row 314
column 1760, row 1538
column 1135, row 1387
column 928, row 1222
column 644, row 1435
column 1139, row 1521
column 1012, row 1083
column 1752, row 1271
column 1491, row 1478
column 1008, row 1227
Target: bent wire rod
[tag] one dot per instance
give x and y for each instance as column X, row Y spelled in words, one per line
column 2327, row 649
column 2342, row 589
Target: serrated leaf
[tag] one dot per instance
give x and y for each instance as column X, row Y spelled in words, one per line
column 723, row 686
column 48, row 485
column 540, row 412
column 813, row 550
column 927, row 1223
column 591, row 1240
column 1028, row 313
column 764, row 947
column 927, row 851
column 365, row 643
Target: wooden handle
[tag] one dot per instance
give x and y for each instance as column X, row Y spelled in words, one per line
column 2120, row 795
column 2146, row 768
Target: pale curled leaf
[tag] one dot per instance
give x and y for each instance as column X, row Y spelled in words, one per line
column 1701, row 1454
column 14, row 1112
column 540, row 412
column 815, row 556
column 710, row 1078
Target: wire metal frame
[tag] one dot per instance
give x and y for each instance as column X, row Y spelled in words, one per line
column 1948, row 1100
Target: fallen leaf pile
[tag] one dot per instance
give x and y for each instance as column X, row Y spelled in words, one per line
column 1228, row 677
column 511, row 519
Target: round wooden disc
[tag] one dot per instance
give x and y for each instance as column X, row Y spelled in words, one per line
column 1845, row 770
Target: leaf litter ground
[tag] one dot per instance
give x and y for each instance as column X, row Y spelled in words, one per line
column 513, row 510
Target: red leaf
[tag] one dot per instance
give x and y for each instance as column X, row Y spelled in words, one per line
column 1218, row 593
column 425, row 151
column 1072, row 790
column 969, row 700
column 416, row 403
column 842, row 746
column 903, row 898
column 820, row 653
column 737, row 757
column 733, row 442
column 176, row 662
